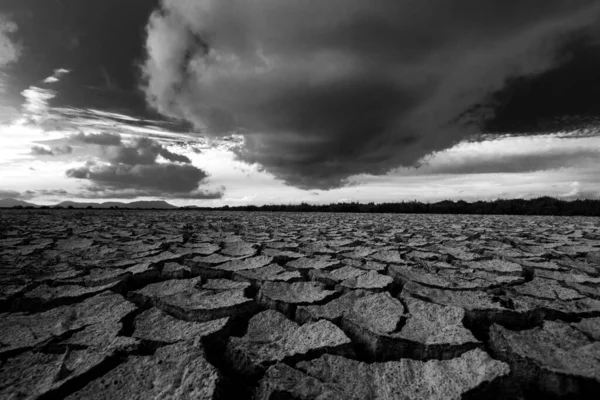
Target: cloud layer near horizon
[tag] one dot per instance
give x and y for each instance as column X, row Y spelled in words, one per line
column 322, row 90
column 133, row 170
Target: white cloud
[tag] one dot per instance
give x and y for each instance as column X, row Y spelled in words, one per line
column 36, row 108
column 513, row 155
column 57, row 75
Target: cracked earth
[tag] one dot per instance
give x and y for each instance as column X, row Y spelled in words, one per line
column 198, row 305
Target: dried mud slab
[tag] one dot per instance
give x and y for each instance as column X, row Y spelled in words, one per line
column 238, row 249
column 176, row 371
column 555, row 358
column 271, row 338
column 202, row 249
column 157, row 326
column 310, row 263
column 590, row 327
column 190, row 300
column 44, row 296
column 482, row 308
column 390, row 330
column 32, row 375
column 553, row 300
column 437, row 276
column 286, row 297
column 333, row 310
column 389, row 257
column 282, row 256
column 335, row 276
column 268, row 273
column 246, row 264
column 359, row 252
column 173, row 270
column 370, row 281
column 204, row 266
column 101, row 314
column 497, row 266
column 335, row 377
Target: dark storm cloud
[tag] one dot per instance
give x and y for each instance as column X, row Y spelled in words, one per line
column 100, row 41
column 167, row 178
column 102, row 139
column 144, row 151
column 322, row 90
column 133, row 170
column 41, row 151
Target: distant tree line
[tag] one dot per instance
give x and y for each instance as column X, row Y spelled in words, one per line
column 537, row 206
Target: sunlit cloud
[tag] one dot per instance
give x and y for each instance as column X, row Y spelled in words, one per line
column 58, row 73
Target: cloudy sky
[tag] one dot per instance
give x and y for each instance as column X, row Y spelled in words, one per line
column 215, row 102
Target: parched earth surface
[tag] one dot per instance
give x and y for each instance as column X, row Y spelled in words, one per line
column 110, row 304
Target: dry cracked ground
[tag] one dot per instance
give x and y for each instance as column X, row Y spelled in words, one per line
column 199, row 305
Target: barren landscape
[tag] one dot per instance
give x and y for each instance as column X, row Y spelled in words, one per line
column 186, row 304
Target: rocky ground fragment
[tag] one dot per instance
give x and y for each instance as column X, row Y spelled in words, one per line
column 177, row 371
column 191, row 300
column 229, row 268
column 286, row 297
column 157, row 326
column 335, row 377
column 35, row 374
column 555, row 359
column 95, row 320
column 268, row 273
column 371, row 281
column 271, row 338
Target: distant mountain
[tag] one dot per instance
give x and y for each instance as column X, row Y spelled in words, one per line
column 163, row 205
column 134, row 204
column 15, row 202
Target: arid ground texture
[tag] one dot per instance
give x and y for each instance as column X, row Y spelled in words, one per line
column 214, row 305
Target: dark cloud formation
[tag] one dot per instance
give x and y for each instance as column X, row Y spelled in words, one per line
column 133, row 170
column 102, row 139
column 145, row 151
column 322, row 90
column 563, row 98
column 41, row 151
column 55, row 151
column 161, row 177
column 100, row 41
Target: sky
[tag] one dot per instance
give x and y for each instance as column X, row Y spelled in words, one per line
column 235, row 102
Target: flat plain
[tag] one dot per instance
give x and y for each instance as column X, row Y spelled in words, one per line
column 107, row 304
